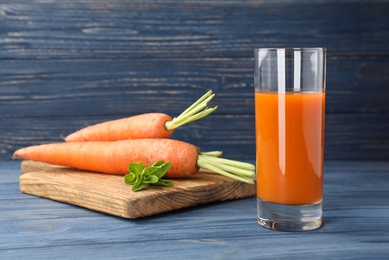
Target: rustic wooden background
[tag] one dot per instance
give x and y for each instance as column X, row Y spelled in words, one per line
column 65, row 64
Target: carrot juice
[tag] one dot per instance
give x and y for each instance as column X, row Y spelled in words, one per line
column 289, row 146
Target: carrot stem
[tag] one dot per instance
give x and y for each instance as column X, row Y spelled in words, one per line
column 213, row 153
column 240, row 171
column 196, row 111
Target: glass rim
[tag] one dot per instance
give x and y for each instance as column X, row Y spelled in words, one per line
column 292, row 49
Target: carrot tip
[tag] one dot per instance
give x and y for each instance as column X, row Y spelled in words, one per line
column 16, row 156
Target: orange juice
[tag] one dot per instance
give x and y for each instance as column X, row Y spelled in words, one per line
column 289, row 147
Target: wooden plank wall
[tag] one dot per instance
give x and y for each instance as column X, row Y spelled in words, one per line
column 65, row 64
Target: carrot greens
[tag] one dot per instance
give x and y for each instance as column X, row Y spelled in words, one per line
column 196, row 111
column 240, row 171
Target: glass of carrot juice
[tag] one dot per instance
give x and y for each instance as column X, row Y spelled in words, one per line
column 289, row 121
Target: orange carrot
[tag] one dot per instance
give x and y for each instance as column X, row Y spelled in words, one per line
column 150, row 125
column 114, row 157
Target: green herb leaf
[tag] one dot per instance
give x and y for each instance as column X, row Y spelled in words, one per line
column 136, row 168
column 158, row 169
column 167, row 183
column 129, row 178
column 150, row 179
column 141, row 177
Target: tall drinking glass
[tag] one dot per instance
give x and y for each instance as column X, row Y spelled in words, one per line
column 289, row 119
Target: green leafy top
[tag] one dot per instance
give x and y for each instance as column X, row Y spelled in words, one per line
column 141, row 177
column 196, row 111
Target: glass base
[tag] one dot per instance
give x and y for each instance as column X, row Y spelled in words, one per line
column 289, row 217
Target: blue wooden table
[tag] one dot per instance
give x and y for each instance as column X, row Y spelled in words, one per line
column 356, row 225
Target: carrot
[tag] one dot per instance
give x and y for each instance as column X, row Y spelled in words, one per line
column 114, row 157
column 148, row 125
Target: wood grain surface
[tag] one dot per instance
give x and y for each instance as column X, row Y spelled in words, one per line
column 109, row 194
column 355, row 217
column 67, row 64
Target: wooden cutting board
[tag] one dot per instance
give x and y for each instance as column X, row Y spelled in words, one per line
column 109, row 194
